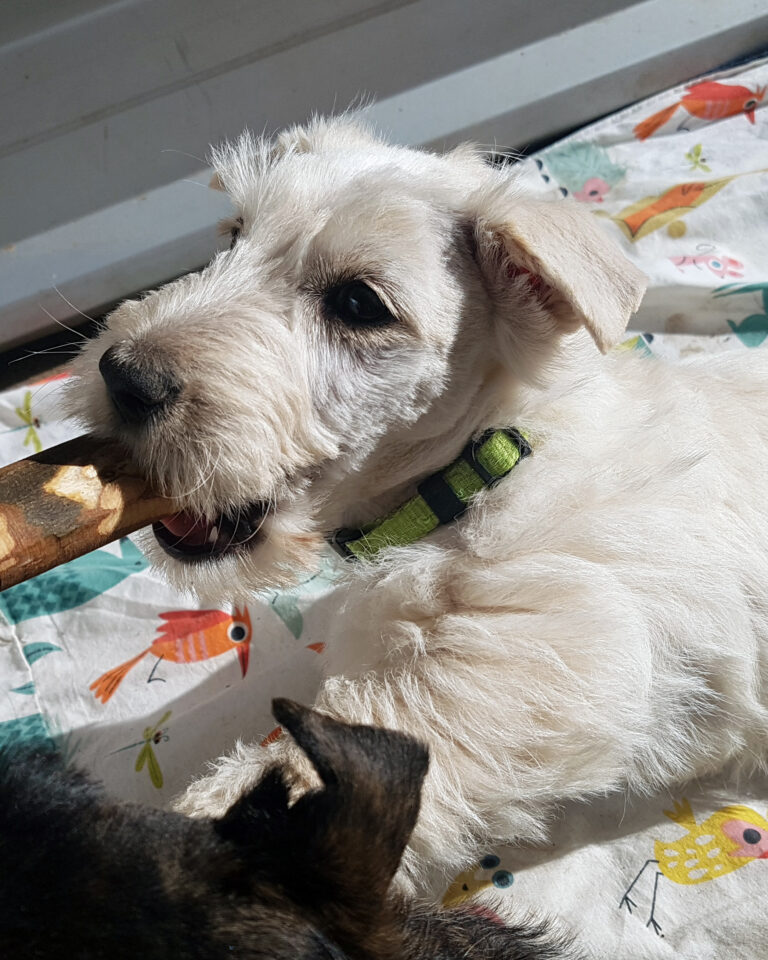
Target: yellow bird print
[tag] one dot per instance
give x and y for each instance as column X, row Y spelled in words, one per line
column 728, row 840
column 488, row 873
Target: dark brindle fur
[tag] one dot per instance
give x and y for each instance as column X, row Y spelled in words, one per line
column 85, row 877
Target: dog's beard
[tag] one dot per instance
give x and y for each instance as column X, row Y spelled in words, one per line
column 244, row 523
column 189, row 537
column 287, row 545
column 219, row 544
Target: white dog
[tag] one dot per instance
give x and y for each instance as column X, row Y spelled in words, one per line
column 597, row 619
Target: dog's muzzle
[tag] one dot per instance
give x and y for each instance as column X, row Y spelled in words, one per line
column 193, row 539
column 140, row 389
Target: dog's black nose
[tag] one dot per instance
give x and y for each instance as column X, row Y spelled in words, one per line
column 138, row 390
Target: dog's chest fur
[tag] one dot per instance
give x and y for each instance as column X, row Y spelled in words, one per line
column 598, row 620
column 608, row 597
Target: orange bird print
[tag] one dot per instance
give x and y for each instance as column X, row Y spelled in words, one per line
column 187, row 636
column 707, row 101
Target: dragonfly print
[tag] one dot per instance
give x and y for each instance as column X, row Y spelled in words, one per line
column 147, row 757
column 29, row 422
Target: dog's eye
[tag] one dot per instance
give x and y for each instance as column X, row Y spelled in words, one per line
column 357, row 305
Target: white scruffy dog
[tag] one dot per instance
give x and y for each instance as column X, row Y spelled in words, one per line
column 597, row 620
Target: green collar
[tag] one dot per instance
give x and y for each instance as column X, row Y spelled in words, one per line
column 441, row 497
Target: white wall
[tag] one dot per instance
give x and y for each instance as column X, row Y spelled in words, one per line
column 107, row 108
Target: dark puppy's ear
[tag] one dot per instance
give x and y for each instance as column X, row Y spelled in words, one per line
column 351, row 833
column 262, row 810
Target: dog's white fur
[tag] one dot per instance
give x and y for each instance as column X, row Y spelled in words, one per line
column 599, row 619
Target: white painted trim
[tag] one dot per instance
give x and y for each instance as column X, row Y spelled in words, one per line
column 521, row 95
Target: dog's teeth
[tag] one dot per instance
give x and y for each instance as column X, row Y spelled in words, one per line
column 213, row 536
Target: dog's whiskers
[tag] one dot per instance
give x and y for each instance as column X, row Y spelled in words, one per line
column 184, row 153
column 36, row 394
column 234, row 528
column 208, row 477
column 76, row 309
column 42, row 353
column 61, row 323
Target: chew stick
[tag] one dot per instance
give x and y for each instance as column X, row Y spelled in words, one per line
column 67, row 501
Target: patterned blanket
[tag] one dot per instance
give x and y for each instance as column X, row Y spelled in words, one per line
column 134, row 681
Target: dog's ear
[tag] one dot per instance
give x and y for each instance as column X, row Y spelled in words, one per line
column 338, row 847
column 556, row 252
column 351, row 833
column 260, row 814
column 346, row 131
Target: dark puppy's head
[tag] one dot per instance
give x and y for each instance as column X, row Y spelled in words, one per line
column 87, row 878
column 84, row 876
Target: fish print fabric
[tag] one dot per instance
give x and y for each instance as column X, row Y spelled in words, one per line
column 143, row 686
column 681, row 181
column 137, row 682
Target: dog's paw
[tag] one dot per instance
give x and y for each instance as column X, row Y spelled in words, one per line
column 230, row 777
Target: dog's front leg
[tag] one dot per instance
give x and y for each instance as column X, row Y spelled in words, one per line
column 519, row 710
column 232, row 775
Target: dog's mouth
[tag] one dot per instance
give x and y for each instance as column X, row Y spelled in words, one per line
column 189, row 537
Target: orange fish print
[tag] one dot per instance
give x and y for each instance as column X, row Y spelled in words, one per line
column 649, row 214
column 187, row 636
column 707, row 101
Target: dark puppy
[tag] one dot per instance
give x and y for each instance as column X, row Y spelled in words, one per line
column 83, row 877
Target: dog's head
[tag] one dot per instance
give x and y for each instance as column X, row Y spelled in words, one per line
column 378, row 305
column 85, row 876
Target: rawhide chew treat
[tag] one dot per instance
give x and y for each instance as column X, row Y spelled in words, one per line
column 67, row 501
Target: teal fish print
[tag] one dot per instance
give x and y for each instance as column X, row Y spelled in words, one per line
column 286, row 607
column 285, row 603
column 33, row 651
column 71, row 584
column 752, row 330
column 584, row 170
column 30, row 730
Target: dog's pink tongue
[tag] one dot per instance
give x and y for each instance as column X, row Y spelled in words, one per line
column 189, row 528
